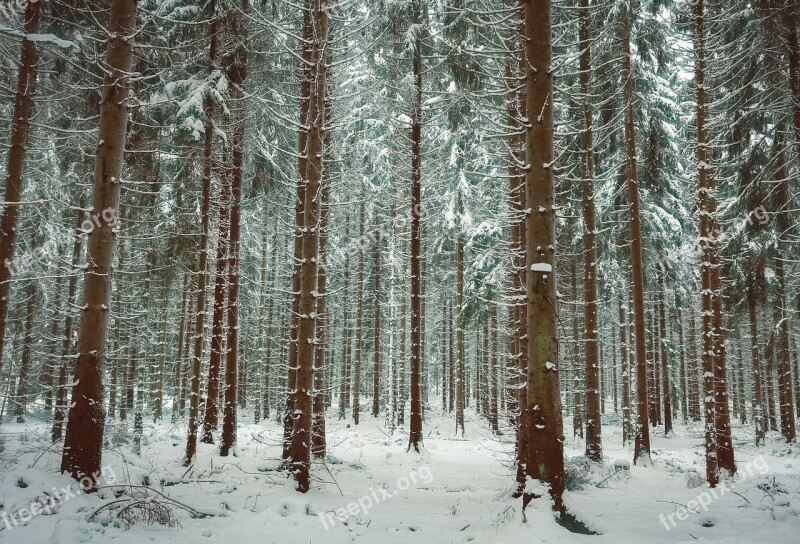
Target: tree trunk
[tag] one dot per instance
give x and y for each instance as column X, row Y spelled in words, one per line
column 25, row 361
column 376, row 364
column 683, row 389
column 415, row 435
column 66, row 340
column 211, row 410
column 460, row 363
column 20, row 131
column 84, row 436
column 626, row 376
column 318, row 447
column 179, row 389
column 359, row 321
column 665, row 383
column 594, row 447
column 642, row 435
column 202, row 268
column 301, row 393
column 783, row 222
column 237, row 72
column 545, row 455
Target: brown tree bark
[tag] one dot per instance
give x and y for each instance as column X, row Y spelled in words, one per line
column 684, row 391
column 359, row 320
column 236, row 61
column 665, row 381
column 25, row 361
column 15, row 169
column 60, row 403
column 594, row 446
column 626, row 376
column 577, row 384
column 545, row 455
column 376, row 361
column 300, row 220
column 415, row 435
column 318, row 446
column 179, row 383
column 84, row 436
column 783, row 222
column 345, row 339
column 211, row 409
column 642, row 430
column 461, row 386
column 301, row 394
column 203, row 247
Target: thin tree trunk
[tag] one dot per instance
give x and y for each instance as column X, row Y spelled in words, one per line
column 665, row 387
column 211, row 410
column 642, row 434
column 318, row 447
column 784, row 226
column 66, row 340
column 460, row 381
column 237, row 72
column 25, row 361
column 683, row 377
column 203, row 247
column 376, row 365
column 179, row 389
column 594, row 447
column 626, row 376
column 359, row 319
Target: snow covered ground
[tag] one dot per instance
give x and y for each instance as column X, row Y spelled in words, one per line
column 371, row 490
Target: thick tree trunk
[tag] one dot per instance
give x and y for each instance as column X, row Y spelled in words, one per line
column 20, row 132
column 84, row 436
column 301, row 394
column 545, row 455
column 306, row 80
column 415, row 436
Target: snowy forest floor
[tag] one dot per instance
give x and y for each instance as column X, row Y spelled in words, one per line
column 458, row 489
